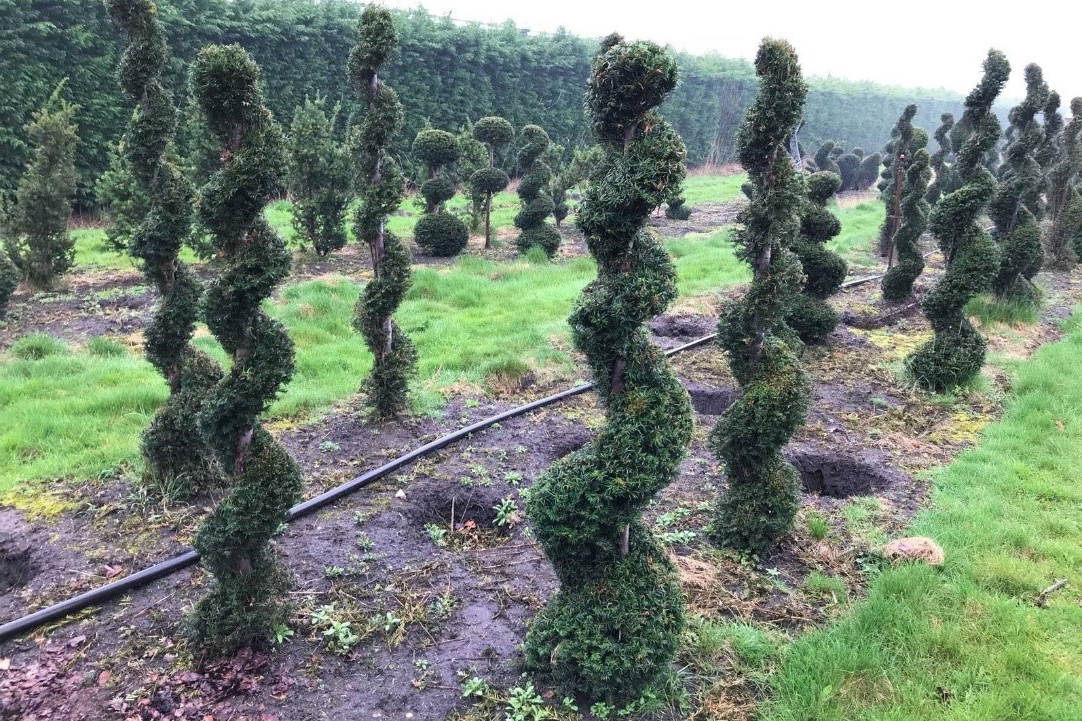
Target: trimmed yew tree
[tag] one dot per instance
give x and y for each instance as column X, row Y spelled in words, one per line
column 945, row 180
column 898, row 282
column 1048, row 152
column 896, row 153
column 178, row 461
column 824, row 270
column 438, row 232
column 533, row 192
column 1017, row 201
column 9, row 281
column 1064, row 200
column 956, row 353
column 318, row 177
column 493, row 132
column 381, row 187
column 612, row 629
column 775, row 391
column 235, row 541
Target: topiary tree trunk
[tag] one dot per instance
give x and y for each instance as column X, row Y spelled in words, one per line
column 533, row 191
column 438, row 233
column 956, row 353
column 945, row 180
column 612, row 629
column 897, row 284
column 318, row 177
column 1015, row 206
column 896, row 153
column 775, row 391
column 808, row 312
column 178, row 462
column 1064, row 200
column 493, row 132
column 234, row 541
column 381, row 189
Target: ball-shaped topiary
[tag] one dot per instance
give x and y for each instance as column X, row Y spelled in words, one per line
column 1064, row 199
column 235, row 541
column 613, row 627
column 898, row 282
column 381, row 187
column 824, row 270
column 775, row 391
column 438, row 232
column 178, row 462
column 533, row 192
column 494, row 132
column 956, row 353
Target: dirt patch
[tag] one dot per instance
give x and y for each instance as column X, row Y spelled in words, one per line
column 709, row 400
column 16, row 563
column 705, row 218
column 825, row 472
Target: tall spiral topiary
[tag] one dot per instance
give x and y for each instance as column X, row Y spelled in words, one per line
column 945, row 180
column 775, row 391
column 533, row 191
column 178, row 462
column 824, row 270
column 895, row 155
column 613, row 627
column 956, row 353
column 1064, row 199
column 898, row 282
column 264, row 482
column 1015, row 206
column 493, row 132
column 381, row 188
column 438, row 232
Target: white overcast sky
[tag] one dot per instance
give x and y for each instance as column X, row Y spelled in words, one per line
column 925, row 43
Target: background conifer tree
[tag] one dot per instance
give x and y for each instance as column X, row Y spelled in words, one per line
column 1064, row 200
column 318, row 177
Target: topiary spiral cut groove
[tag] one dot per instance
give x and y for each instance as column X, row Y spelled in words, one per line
column 956, row 353
column 613, row 627
column 234, row 541
column 824, row 270
column 533, row 191
column 382, row 187
column 898, row 282
column 774, row 389
column 178, row 462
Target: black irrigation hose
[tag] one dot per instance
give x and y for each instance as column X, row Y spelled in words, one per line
column 97, row 596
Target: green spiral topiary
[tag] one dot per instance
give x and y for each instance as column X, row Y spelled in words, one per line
column 614, row 626
column 381, row 188
column 533, row 192
column 1064, row 199
column 493, row 132
column 945, row 178
column 178, row 462
column 1015, row 207
column 956, row 353
column 895, row 155
column 897, row 284
column 438, row 232
column 234, row 541
column 775, row 391
column 824, row 270
column 1049, row 151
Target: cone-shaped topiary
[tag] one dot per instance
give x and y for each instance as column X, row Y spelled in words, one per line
column 235, row 540
column 945, row 178
column 178, row 462
column 1015, row 206
column 494, row 132
column 318, row 177
column 824, row 270
column 533, row 192
column 896, row 154
column 774, row 389
column 381, row 188
column 1064, row 200
column 614, row 626
column 897, row 284
column 438, row 232
column 956, row 353
column 9, row 280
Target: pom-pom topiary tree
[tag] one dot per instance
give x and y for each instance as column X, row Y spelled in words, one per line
column 897, row 284
column 178, row 462
column 614, row 626
column 382, row 187
column 533, row 191
column 438, row 232
column 1015, row 206
column 318, row 177
column 1064, row 200
column 945, row 179
column 264, row 482
column 494, row 132
column 956, row 353
column 774, row 389
column 897, row 152
column 824, row 270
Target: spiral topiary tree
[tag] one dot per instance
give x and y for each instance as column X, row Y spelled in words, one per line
column 9, row 280
column 824, row 270
column 945, row 180
column 533, row 192
column 439, row 232
column 898, row 282
column 896, row 154
column 234, row 541
column 1049, row 151
column 381, row 187
column 318, row 176
column 494, row 132
column 178, row 462
column 613, row 628
column 956, row 353
column 1015, row 206
column 1064, row 200
column 775, row 391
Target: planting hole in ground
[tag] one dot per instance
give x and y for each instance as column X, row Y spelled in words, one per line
column 838, row 475
column 457, row 517
column 16, row 564
column 708, row 400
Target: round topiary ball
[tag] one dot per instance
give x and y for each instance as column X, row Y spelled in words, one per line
column 436, row 147
column 489, row 180
column 493, row 131
column 441, row 234
column 437, row 190
column 544, row 236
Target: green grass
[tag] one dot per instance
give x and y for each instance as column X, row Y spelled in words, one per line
column 968, row 642
column 989, row 310
column 860, row 228
column 713, row 188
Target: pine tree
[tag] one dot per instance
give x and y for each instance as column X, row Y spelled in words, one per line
column 533, row 192
column 178, row 462
column 897, row 284
column 494, row 132
column 1064, row 199
column 808, row 312
column 613, row 628
column 235, row 540
column 318, row 177
column 382, row 187
column 956, row 353
column 439, row 232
